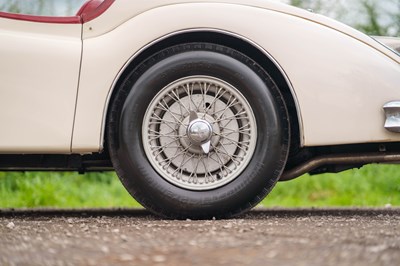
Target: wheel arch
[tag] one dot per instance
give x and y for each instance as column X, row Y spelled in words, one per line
column 231, row 40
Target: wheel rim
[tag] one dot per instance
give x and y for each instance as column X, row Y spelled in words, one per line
column 199, row 133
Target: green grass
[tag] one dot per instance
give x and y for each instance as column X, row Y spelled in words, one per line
column 371, row 186
column 65, row 190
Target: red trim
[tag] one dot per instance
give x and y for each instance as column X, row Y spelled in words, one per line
column 42, row 19
column 89, row 6
column 89, row 11
column 93, row 9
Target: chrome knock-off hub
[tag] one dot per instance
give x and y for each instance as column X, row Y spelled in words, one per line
column 201, row 134
column 199, row 131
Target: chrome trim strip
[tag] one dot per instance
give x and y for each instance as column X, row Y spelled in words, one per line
column 270, row 57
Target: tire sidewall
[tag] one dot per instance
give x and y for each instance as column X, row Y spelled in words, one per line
column 256, row 180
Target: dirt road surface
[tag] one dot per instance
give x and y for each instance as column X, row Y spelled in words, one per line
column 261, row 237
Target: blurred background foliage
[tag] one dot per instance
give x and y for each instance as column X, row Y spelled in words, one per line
column 373, row 185
column 42, row 7
column 373, row 17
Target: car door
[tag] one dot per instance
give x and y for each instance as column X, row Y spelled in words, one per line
column 39, row 73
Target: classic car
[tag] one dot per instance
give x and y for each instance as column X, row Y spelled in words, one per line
column 200, row 106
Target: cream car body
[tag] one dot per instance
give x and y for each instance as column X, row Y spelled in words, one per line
column 338, row 84
column 335, row 92
column 58, row 79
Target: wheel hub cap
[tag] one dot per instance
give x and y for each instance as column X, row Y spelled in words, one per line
column 199, row 131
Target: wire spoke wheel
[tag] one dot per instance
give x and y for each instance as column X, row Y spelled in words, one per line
column 199, row 133
column 198, row 130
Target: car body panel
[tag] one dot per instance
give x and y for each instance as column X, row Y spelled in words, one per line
column 39, row 66
column 124, row 10
column 341, row 82
column 340, row 78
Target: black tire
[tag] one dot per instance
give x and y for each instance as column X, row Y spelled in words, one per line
column 124, row 132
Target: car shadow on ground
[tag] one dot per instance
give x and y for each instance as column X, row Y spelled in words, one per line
column 258, row 213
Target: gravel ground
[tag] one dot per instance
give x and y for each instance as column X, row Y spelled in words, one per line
column 261, row 237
